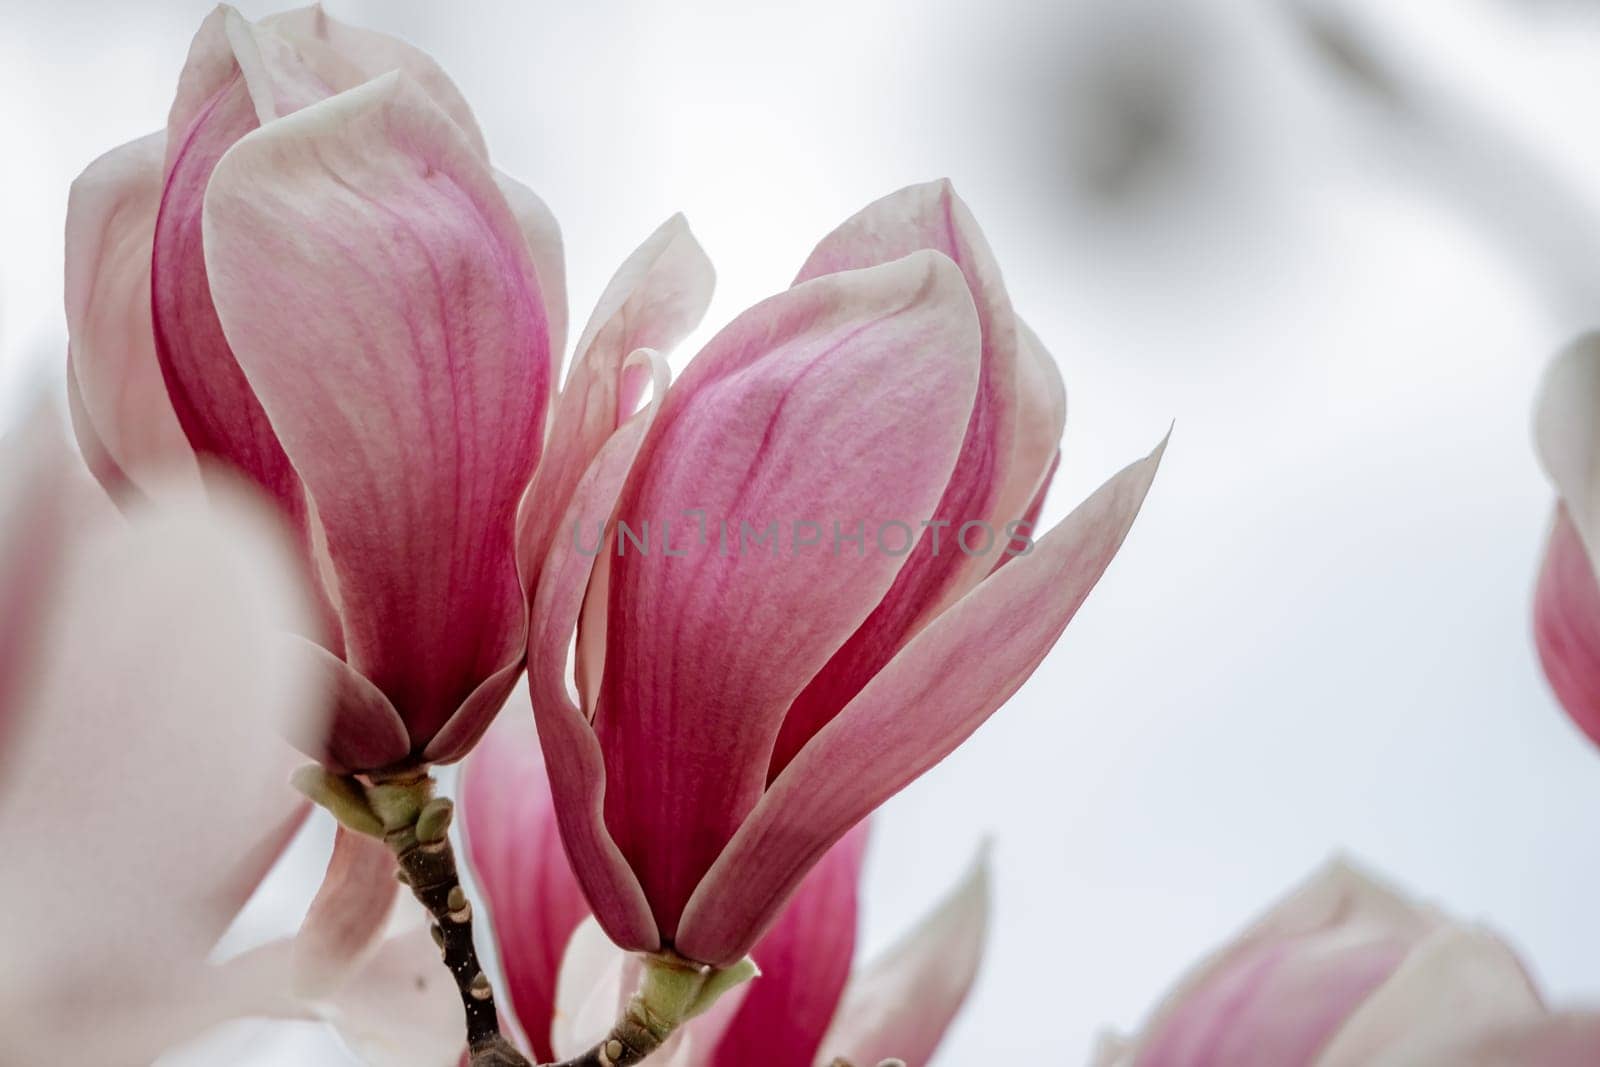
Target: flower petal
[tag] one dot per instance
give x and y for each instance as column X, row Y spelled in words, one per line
column 543, row 234
column 1568, row 436
column 1571, row 1040
column 176, row 613
column 572, row 751
column 37, row 481
column 1566, row 624
column 343, row 56
column 231, row 83
column 927, row 216
column 534, row 900
column 802, row 409
column 125, row 412
column 382, row 303
column 903, row 1003
column 805, row 961
column 929, row 699
column 402, row 1009
column 593, row 977
column 656, row 297
column 1279, row 991
column 1457, row 984
column 348, row 915
column 1041, row 418
column 364, row 730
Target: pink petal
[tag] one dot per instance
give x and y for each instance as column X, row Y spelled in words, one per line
column 927, row 216
column 543, row 234
column 1041, row 418
column 805, row 961
column 175, row 613
column 1281, row 990
column 348, row 916
column 1566, row 624
column 344, row 56
column 230, row 84
column 381, row 301
column 804, row 408
column 534, row 900
column 463, row 729
column 365, row 731
column 1455, row 985
column 572, row 751
column 656, row 297
column 124, row 414
column 903, row 1003
column 929, row 699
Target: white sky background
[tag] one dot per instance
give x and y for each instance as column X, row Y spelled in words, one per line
column 1317, row 637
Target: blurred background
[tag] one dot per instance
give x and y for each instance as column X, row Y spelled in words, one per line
column 1336, row 242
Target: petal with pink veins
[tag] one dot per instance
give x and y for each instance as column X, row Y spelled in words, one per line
column 543, row 234
column 932, row 695
column 903, row 1003
column 1566, row 624
column 572, row 751
column 124, row 413
column 236, row 78
column 928, row 216
column 806, row 407
column 343, row 56
column 534, row 901
column 805, row 962
column 656, row 297
column 383, row 306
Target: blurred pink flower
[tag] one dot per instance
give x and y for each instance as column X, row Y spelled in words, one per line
column 313, row 276
column 1566, row 615
column 567, row 982
column 1346, row 973
column 740, row 709
column 143, row 782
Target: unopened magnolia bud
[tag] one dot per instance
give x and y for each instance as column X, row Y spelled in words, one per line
column 434, row 821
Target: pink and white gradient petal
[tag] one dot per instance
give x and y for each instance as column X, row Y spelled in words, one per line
column 944, row 684
column 902, row 1004
column 383, row 306
column 803, row 408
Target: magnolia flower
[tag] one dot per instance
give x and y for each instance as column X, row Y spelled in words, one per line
column 819, row 580
column 1347, row 973
column 1566, row 614
column 143, row 788
column 314, row 277
column 566, row 981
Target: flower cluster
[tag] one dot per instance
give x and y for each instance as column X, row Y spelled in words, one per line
column 347, row 501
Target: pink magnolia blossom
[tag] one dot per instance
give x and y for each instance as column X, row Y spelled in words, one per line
column 743, row 704
column 1566, row 617
column 314, row 277
column 567, row 982
column 1346, row 973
